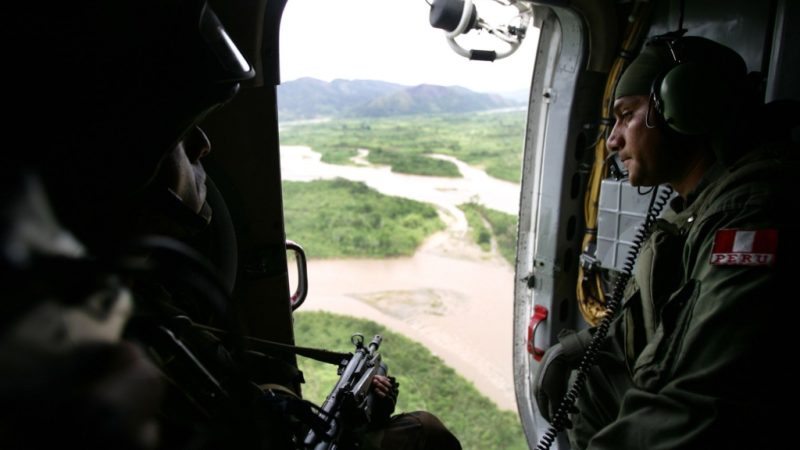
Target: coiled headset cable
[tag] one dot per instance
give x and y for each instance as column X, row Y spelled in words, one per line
column 567, row 405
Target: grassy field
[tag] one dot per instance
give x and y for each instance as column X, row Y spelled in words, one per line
column 501, row 225
column 341, row 218
column 426, row 383
column 492, row 141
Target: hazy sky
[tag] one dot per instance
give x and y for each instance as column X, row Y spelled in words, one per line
column 392, row 40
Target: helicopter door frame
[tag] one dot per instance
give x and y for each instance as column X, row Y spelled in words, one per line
column 545, row 189
column 572, row 64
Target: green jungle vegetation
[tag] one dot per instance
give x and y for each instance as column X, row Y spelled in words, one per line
column 500, row 225
column 426, row 383
column 342, row 218
column 413, row 163
column 490, row 140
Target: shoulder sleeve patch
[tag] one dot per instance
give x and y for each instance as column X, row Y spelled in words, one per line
column 737, row 247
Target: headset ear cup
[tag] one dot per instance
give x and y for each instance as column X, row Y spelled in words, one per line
column 691, row 99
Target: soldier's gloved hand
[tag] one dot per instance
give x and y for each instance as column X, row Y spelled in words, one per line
column 553, row 373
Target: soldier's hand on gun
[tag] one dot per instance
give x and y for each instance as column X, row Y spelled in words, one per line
column 381, row 385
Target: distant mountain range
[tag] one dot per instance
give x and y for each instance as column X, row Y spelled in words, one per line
column 308, row 98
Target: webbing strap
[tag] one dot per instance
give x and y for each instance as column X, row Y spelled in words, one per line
column 266, row 346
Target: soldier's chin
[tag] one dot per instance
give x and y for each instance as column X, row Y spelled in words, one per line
column 636, row 180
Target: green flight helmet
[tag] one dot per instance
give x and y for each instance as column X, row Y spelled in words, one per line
column 694, row 84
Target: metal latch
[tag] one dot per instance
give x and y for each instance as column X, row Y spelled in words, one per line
column 300, row 294
column 539, row 315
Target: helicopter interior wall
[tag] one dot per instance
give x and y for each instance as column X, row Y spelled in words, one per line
column 245, row 165
column 743, row 25
column 784, row 64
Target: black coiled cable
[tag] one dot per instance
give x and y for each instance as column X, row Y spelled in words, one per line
column 560, row 420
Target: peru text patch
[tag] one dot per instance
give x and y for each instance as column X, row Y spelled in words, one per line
column 735, row 247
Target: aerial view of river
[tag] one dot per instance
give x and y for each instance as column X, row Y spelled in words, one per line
column 451, row 296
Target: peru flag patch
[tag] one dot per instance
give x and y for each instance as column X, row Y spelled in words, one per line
column 734, row 247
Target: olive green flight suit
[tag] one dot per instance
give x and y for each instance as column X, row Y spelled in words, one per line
column 695, row 358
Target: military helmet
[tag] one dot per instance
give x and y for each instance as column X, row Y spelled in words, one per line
column 694, row 84
column 116, row 84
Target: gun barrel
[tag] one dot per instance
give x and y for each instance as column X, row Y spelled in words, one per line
column 376, row 342
column 353, row 385
column 332, row 402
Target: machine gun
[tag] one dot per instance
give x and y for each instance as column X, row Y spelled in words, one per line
column 348, row 408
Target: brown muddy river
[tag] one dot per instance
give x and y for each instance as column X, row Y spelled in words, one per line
column 450, row 295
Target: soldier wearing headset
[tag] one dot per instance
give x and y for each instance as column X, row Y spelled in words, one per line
column 117, row 87
column 691, row 359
